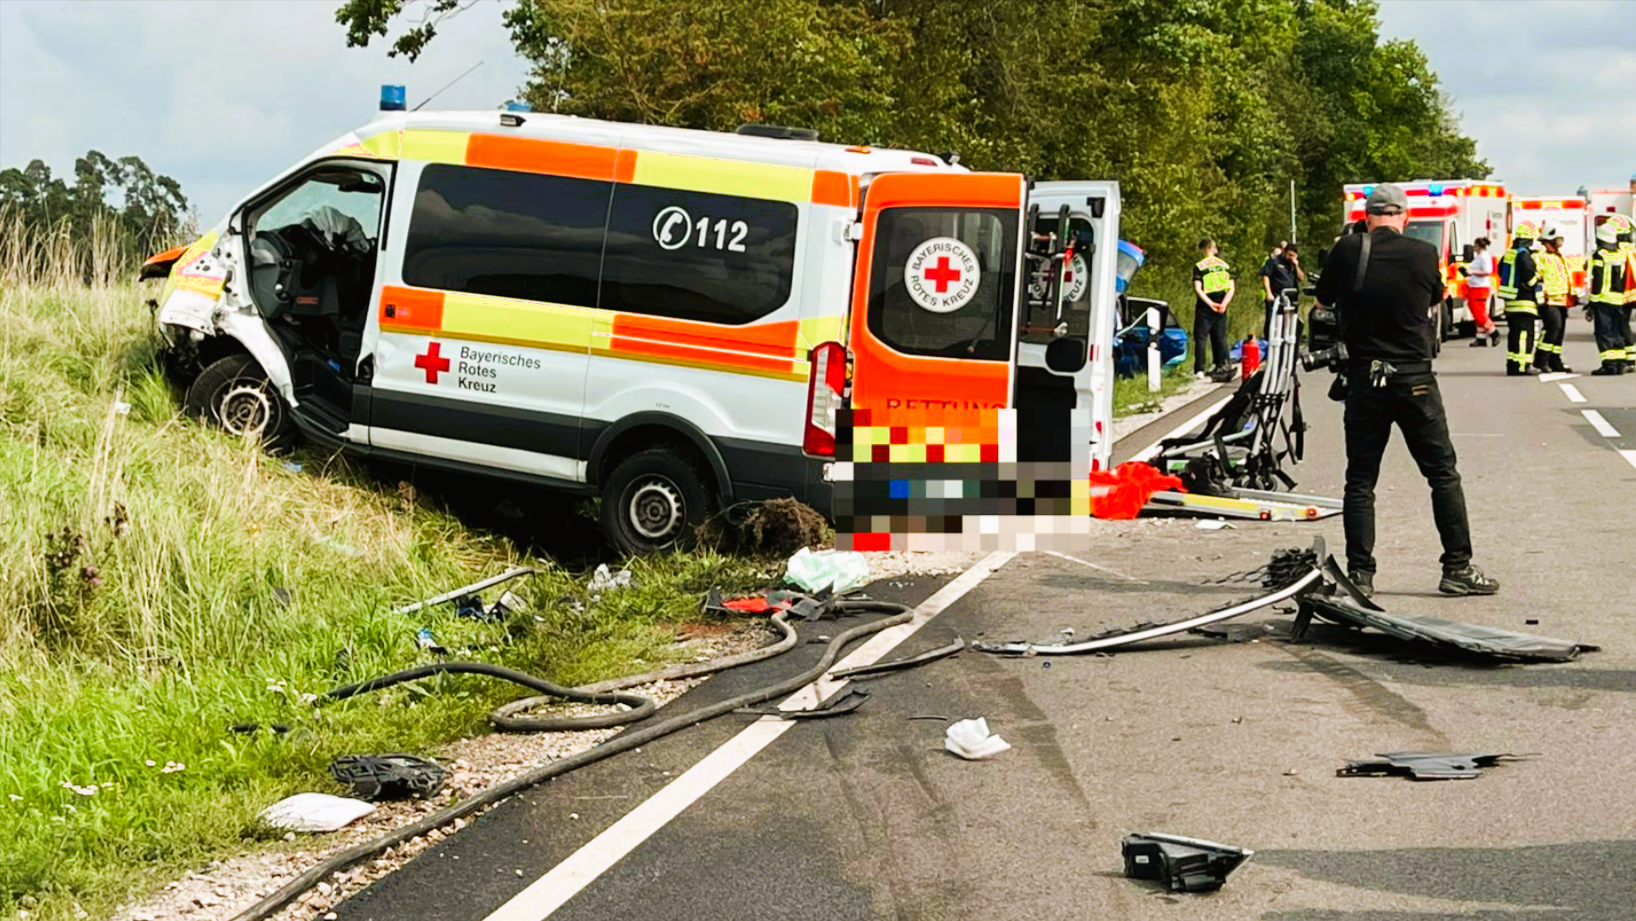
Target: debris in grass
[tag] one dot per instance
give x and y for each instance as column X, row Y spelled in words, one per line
column 827, row 570
column 314, row 812
column 777, row 528
column 605, row 581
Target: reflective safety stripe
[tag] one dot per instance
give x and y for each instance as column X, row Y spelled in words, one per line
column 724, row 177
column 433, row 146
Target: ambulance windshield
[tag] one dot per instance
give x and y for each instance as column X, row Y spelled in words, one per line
column 1427, row 232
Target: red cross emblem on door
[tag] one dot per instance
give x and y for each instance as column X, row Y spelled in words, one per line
column 942, row 274
column 432, row 362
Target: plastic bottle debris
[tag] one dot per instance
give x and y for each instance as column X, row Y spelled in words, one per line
column 835, row 570
column 315, row 812
column 604, row 581
column 970, row 739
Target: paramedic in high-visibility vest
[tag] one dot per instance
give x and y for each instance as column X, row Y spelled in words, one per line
column 1555, row 282
column 1519, row 289
column 1213, row 290
column 1479, row 288
column 1606, row 277
column 1622, row 226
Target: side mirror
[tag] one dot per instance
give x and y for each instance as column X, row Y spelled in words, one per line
column 1066, row 355
column 1468, row 253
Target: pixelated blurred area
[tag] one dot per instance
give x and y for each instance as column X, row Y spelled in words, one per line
column 941, row 479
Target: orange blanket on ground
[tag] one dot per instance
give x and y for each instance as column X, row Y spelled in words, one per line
column 1122, row 492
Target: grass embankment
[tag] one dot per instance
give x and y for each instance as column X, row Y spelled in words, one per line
column 161, row 582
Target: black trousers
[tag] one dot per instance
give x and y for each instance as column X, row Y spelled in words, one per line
column 1413, row 403
column 1611, row 344
column 1554, row 320
column 1207, row 324
column 1630, row 334
column 1520, row 339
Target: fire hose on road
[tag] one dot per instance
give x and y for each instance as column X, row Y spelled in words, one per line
column 898, row 614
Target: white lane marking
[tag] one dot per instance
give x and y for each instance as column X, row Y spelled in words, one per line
column 1181, row 430
column 1551, row 377
column 1574, row 396
column 1629, row 456
column 1600, row 424
column 1112, row 572
column 564, row 881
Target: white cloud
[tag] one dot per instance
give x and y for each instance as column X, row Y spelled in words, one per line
column 1544, row 88
column 220, row 94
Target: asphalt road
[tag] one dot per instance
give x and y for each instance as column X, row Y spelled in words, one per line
column 866, row 816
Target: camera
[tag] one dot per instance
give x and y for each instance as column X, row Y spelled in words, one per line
column 1333, row 358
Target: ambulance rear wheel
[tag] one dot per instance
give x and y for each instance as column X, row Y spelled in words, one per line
column 234, row 394
column 653, row 500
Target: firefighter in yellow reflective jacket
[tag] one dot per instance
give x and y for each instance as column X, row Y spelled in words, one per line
column 1555, row 281
column 1606, row 278
column 1519, row 289
column 1622, row 229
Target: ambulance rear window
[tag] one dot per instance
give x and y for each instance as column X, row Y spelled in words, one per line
column 698, row 255
column 508, row 234
column 919, row 299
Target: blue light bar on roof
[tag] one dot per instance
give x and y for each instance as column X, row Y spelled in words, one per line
column 393, row 98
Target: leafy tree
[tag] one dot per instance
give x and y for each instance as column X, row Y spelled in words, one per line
column 77, row 224
column 1203, row 110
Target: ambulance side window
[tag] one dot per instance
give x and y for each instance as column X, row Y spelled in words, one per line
column 698, row 255
column 937, row 315
column 507, row 234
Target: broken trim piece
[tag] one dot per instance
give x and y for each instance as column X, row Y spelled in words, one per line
column 1425, row 765
column 1183, row 864
column 1143, row 632
column 941, row 652
column 1450, row 635
column 490, row 582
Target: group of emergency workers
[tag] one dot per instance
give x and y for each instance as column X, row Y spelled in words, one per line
column 1535, row 292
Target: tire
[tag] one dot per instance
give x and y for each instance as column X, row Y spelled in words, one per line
column 235, row 395
column 653, row 500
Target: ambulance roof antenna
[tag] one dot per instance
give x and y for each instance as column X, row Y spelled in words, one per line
column 446, row 86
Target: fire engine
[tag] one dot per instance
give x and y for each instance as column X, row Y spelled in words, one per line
column 1449, row 215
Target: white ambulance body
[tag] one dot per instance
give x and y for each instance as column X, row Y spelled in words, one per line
column 1603, row 204
column 666, row 317
column 1450, row 215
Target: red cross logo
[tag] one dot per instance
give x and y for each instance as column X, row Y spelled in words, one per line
column 432, row 362
column 942, row 274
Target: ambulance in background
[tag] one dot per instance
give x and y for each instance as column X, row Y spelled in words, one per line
column 1449, row 215
column 1567, row 214
column 1605, row 203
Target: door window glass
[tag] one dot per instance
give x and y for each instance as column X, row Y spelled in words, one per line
column 944, row 282
column 1040, row 321
column 507, row 234
column 312, row 253
column 698, row 255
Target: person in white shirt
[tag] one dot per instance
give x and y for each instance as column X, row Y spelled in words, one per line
column 1479, row 288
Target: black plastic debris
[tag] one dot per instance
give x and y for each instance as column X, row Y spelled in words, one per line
column 1424, row 765
column 1182, row 864
column 1450, row 635
column 387, row 777
column 880, row 668
column 835, row 706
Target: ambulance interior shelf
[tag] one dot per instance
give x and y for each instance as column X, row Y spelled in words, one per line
column 1058, row 283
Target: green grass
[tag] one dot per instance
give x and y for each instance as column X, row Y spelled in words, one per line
column 222, row 587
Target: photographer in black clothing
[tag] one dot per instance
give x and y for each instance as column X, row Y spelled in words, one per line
column 1387, row 290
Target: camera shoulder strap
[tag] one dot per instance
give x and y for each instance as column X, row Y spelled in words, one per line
column 1363, row 263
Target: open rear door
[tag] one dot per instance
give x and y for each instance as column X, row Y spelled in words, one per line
column 934, row 304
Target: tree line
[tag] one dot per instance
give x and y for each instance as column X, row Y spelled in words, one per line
column 1203, row 110
column 114, row 214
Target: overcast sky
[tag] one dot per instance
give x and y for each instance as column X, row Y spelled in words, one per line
column 222, row 94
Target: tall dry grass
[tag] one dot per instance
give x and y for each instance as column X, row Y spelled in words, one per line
column 160, row 582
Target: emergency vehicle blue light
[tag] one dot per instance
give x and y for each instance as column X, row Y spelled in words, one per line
column 1436, row 190
column 393, row 98
column 514, row 105
column 1368, row 190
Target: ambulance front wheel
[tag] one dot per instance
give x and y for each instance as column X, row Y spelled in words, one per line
column 234, row 394
column 653, row 500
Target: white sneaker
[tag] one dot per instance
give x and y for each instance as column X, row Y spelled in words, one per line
column 1200, row 376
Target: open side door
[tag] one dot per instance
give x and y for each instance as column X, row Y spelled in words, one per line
column 1072, row 298
column 934, row 303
